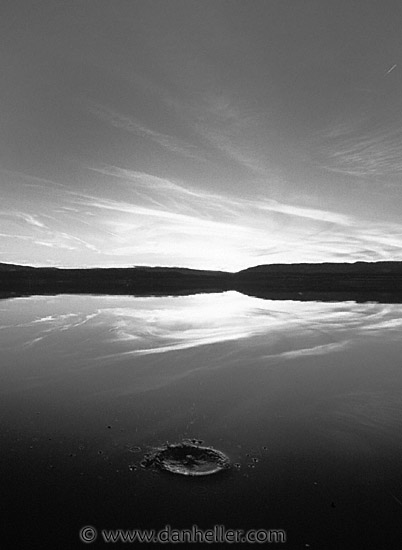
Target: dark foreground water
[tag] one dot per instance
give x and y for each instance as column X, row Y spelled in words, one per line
column 304, row 398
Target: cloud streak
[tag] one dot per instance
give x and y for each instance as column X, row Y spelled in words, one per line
column 309, row 213
column 371, row 154
column 130, row 124
column 163, row 221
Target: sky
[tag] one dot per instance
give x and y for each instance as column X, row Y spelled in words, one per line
column 212, row 134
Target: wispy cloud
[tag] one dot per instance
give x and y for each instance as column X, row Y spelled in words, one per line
column 181, row 221
column 28, row 180
column 28, row 218
column 213, row 120
column 170, row 216
column 224, row 129
column 55, row 245
column 323, row 349
column 165, row 193
column 130, row 124
column 148, row 181
column 229, row 130
column 232, row 205
column 311, row 213
column 12, row 236
column 157, row 220
column 362, row 152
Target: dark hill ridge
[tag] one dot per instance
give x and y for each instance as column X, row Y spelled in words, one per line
column 280, row 281
column 325, row 277
column 134, row 280
column 140, row 268
column 326, row 267
column 13, row 267
column 356, row 267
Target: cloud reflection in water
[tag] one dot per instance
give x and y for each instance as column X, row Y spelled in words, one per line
column 284, row 328
column 125, row 325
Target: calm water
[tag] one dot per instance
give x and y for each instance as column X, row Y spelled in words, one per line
column 305, row 397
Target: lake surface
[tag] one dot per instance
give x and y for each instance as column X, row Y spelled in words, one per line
column 304, row 397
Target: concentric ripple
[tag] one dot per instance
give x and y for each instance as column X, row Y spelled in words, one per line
column 187, row 459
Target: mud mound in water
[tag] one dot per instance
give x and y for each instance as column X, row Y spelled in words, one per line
column 187, row 459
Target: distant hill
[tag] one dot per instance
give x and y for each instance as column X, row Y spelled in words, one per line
column 359, row 280
column 13, row 267
column 300, row 268
column 358, row 277
column 138, row 269
column 328, row 267
column 130, row 280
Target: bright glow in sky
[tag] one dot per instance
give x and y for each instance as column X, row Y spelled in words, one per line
column 215, row 135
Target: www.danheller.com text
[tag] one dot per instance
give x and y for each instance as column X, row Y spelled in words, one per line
column 217, row 534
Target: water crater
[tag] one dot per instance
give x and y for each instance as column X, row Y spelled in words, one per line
column 187, row 459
